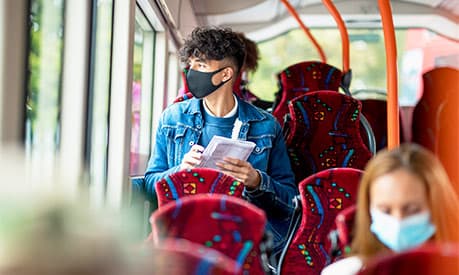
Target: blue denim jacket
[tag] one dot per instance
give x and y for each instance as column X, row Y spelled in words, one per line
column 180, row 128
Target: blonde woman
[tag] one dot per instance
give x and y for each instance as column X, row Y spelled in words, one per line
column 405, row 200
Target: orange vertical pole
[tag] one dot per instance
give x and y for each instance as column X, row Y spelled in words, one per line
column 393, row 128
column 295, row 15
column 342, row 30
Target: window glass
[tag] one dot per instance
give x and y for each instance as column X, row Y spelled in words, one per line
column 46, row 36
column 141, row 94
column 99, row 97
column 419, row 50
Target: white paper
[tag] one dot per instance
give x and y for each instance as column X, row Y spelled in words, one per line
column 220, row 147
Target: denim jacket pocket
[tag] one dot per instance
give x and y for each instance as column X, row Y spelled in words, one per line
column 260, row 154
column 262, row 144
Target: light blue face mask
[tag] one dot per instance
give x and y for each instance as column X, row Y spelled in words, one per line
column 400, row 235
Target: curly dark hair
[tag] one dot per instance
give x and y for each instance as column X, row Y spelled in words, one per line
column 214, row 43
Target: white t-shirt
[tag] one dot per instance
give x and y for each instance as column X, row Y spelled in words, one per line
column 346, row 266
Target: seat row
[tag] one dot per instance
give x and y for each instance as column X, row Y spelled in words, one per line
column 192, row 208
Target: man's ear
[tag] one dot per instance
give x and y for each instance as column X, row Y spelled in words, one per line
column 228, row 73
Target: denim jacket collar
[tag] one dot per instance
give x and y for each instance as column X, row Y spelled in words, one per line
column 247, row 112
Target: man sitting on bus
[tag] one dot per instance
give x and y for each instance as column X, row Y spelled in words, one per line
column 215, row 56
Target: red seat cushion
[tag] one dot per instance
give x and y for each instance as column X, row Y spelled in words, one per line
column 230, row 225
column 196, row 181
column 182, row 257
column 301, row 78
column 185, row 96
column 344, row 223
column 324, row 132
column 427, row 260
column 375, row 111
column 323, row 196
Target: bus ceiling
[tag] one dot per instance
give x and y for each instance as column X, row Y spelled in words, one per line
column 264, row 19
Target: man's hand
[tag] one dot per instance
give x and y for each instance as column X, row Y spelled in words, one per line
column 192, row 158
column 242, row 171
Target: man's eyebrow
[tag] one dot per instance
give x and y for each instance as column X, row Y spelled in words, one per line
column 200, row 59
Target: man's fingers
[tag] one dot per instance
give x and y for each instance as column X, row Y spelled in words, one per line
column 234, row 161
column 197, row 148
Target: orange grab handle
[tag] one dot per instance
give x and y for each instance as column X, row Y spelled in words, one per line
column 393, row 135
column 342, row 30
column 295, row 15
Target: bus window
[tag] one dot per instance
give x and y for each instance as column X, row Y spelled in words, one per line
column 44, row 75
column 419, row 50
column 99, row 98
column 142, row 94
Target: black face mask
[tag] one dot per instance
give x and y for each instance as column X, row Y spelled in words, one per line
column 200, row 83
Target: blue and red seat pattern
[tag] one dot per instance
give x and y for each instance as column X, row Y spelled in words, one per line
column 230, row 225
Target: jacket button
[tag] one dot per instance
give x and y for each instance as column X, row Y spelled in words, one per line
column 199, row 126
column 191, row 143
column 257, row 149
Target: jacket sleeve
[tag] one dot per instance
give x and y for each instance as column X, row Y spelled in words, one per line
column 158, row 166
column 277, row 187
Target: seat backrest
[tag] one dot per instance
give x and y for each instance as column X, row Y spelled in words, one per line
column 230, row 225
column 435, row 119
column 343, row 232
column 323, row 196
column 182, row 257
column 427, row 260
column 324, row 132
column 185, row 96
column 375, row 111
column 196, row 181
column 301, row 78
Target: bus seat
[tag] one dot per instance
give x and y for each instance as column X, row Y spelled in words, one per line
column 427, row 260
column 228, row 224
column 323, row 196
column 196, row 181
column 182, row 257
column 375, row 111
column 324, row 132
column 301, row 78
column 435, row 119
column 185, row 96
column 341, row 236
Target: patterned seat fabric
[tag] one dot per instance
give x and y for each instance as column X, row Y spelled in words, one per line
column 323, row 196
column 342, row 232
column 324, row 132
column 230, row 225
column 182, row 257
column 196, row 181
column 427, row 260
column 301, row 78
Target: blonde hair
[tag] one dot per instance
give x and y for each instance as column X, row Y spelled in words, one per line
column 442, row 199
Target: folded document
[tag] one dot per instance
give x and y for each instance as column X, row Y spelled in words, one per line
column 220, row 147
